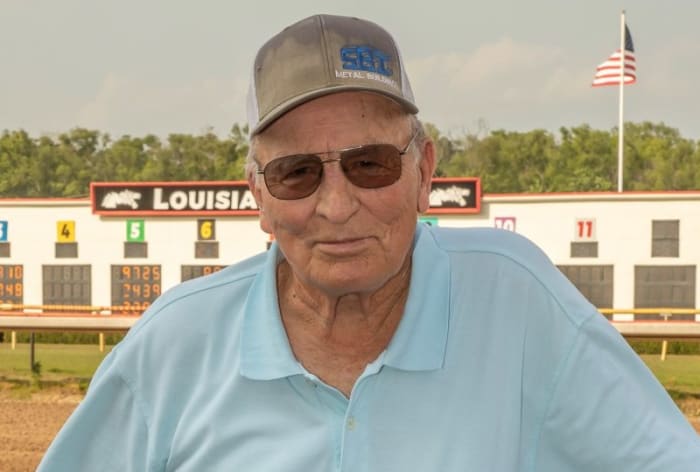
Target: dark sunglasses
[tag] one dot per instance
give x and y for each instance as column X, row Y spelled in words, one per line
column 369, row 166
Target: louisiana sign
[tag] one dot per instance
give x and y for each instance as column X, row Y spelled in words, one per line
column 448, row 195
column 172, row 198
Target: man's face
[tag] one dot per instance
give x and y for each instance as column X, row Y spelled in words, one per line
column 342, row 238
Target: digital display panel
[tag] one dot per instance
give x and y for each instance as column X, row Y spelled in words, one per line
column 11, row 284
column 192, row 271
column 135, row 286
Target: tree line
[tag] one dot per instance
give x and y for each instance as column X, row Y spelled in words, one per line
column 578, row 158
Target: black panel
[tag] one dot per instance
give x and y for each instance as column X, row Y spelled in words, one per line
column 664, row 287
column 66, row 250
column 664, row 238
column 135, row 249
column 206, row 249
column 67, row 284
column 584, row 249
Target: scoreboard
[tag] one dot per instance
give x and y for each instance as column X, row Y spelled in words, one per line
column 135, row 285
column 11, row 283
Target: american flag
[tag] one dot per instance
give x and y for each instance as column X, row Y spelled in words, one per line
column 608, row 73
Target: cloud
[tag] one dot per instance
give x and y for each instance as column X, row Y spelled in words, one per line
column 494, row 79
column 491, row 64
column 130, row 105
column 668, row 70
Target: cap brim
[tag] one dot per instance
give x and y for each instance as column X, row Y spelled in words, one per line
column 294, row 102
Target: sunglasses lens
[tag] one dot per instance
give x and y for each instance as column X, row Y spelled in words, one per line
column 293, row 177
column 298, row 176
column 372, row 166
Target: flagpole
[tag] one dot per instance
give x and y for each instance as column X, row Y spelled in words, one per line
column 621, row 123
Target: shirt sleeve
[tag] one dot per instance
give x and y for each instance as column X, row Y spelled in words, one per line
column 609, row 413
column 106, row 432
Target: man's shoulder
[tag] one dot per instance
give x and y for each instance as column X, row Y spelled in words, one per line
column 495, row 241
column 230, row 277
column 511, row 260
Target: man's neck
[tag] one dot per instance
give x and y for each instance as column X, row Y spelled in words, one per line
column 335, row 337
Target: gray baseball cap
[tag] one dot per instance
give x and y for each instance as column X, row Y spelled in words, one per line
column 320, row 55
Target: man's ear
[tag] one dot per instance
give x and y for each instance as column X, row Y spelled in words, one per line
column 426, row 169
column 257, row 191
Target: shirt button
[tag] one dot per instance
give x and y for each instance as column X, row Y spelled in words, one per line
column 351, row 424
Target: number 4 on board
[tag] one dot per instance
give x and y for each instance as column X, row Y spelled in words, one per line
column 65, row 231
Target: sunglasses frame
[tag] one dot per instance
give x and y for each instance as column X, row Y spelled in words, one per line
column 317, row 155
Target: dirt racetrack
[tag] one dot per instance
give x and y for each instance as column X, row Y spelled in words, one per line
column 28, row 424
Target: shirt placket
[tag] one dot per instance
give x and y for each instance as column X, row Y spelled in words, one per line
column 354, row 440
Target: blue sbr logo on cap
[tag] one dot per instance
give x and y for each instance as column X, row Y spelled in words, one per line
column 365, row 58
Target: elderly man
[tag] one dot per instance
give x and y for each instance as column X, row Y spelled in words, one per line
column 362, row 341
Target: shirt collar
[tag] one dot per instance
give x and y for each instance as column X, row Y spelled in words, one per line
column 418, row 344
column 420, row 340
column 265, row 350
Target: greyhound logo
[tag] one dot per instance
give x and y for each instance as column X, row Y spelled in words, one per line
column 124, row 198
column 454, row 194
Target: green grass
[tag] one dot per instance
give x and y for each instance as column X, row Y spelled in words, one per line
column 59, row 362
column 679, row 374
column 76, row 363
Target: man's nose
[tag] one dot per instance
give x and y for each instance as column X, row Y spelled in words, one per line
column 337, row 199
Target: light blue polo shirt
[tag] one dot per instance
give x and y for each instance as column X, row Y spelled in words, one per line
column 498, row 364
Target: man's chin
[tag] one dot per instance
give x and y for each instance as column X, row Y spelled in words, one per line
column 338, row 285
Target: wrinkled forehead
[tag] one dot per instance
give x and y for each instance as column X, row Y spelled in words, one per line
column 345, row 113
column 333, row 122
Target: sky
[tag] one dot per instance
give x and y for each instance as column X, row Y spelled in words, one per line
column 142, row 67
